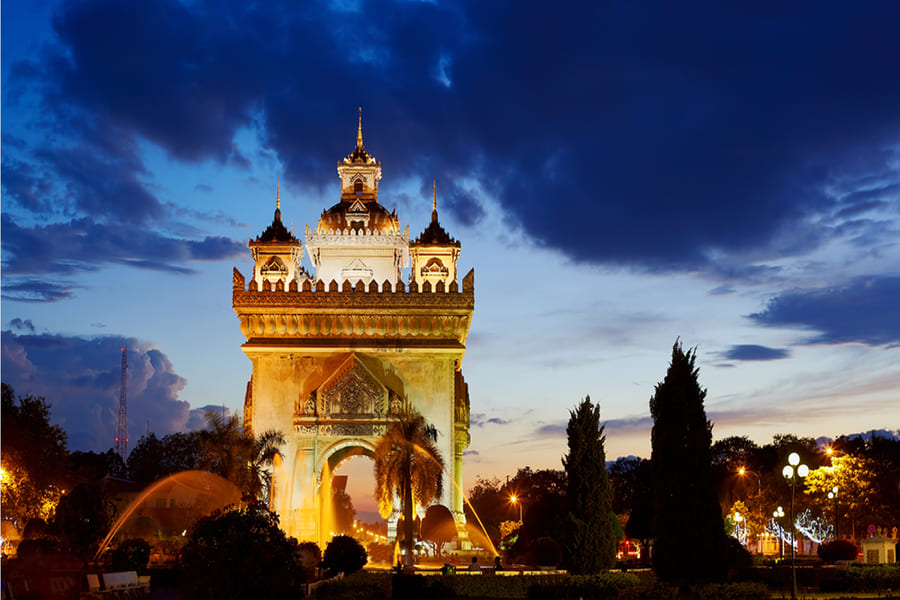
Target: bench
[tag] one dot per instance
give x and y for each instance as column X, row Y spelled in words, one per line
column 122, row 585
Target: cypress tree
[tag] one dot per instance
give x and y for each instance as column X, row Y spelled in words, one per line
column 690, row 543
column 591, row 539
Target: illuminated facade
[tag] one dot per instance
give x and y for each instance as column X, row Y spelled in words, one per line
column 337, row 353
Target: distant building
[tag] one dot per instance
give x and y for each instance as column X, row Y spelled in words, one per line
column 338, row 353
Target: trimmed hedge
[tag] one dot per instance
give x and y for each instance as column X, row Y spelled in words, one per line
column 359, row 586
column 574, row 587
column 731, row 591
column 863, row 578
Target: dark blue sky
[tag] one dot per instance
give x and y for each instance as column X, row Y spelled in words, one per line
column 727, row 173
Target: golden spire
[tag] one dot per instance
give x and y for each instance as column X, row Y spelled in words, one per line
column 359, row 143
column 434, row 199
column 278, row 193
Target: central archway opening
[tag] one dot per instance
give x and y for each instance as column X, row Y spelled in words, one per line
column 347, row 502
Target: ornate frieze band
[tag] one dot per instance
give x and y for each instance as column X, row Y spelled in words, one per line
column 329, row 325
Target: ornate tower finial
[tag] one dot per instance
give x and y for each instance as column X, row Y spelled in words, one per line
column 278, row 193
column 434, row 199
column 359, row 143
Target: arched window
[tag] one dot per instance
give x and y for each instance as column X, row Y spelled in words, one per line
column 358, row 187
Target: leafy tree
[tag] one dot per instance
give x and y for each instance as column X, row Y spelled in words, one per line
column 855, row 478
column 92, row 465
column 691, row 544
column 542, row 494
column 590, row 540
column 343, row 554
column 408, row 463
column 84, row 517
column 488, row 500
column 26, row 430
column 309, row 557
column 33, row 453
column 152, row 458
column 239, row 554
column 438, row 527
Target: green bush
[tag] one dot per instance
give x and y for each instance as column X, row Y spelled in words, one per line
column 863, row 578
column 588, row 587
column 359, row 586
column 343, row 555
column 836, row 550
column 239, row 554
column 309, row 556
column 731, row 591
column 131, row 555
column 477, row 586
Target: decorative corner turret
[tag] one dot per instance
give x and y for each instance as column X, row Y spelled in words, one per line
column 434, row 253
column 277, row 254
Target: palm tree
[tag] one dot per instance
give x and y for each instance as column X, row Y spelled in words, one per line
column 407, row 462
column 230, row 451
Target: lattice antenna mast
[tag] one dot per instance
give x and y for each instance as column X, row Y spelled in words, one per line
column 122, row 427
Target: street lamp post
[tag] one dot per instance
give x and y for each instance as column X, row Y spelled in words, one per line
column 794, row 467
column 832, row 495
column 515, row 500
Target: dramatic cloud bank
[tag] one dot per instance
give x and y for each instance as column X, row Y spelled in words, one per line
column 80, row 378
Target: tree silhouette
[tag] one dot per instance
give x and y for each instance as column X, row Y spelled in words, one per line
column 591, row 539
column 691, row 544
column 408, row 463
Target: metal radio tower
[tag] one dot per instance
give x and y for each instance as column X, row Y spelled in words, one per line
column 122, row 427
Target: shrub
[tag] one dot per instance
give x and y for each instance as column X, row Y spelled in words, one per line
column 239, row 554
column 836, row 550
column 309, row 556
column 344, row 555
column 359, row 586
column 131, row 555
column 546, row 551
column 865, row 578
column 509, row 586
column 731, row 591
column 599, row 587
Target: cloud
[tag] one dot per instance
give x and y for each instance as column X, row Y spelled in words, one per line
column 80, row 379
column 36, row 290
column 21, row 325
column 865, row 310
column 84, row 244
column 659, row 138
column 481, row 419
column 755, row 353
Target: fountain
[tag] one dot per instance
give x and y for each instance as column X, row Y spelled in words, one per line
column 179, row 499
column 490, row 545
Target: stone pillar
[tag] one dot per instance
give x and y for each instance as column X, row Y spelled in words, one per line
column 304, row 524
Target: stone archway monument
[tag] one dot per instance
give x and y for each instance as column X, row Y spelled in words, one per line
column 337, row 355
